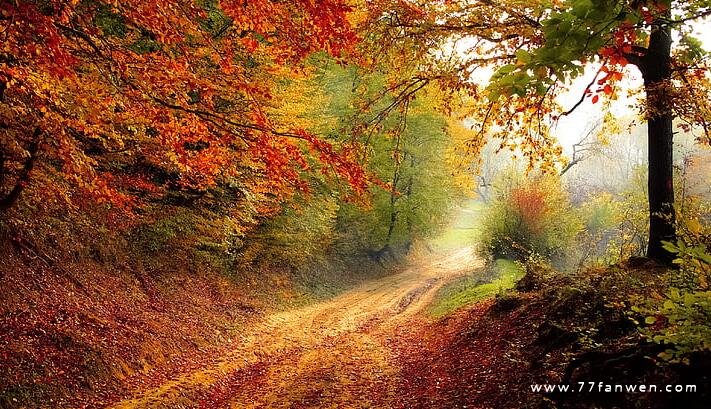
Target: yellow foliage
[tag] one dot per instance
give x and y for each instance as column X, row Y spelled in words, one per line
column 463, row 155
column 301, row 104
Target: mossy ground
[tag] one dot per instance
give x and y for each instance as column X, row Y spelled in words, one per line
column 497, row 278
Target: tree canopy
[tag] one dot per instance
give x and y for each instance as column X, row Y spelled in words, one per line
column 537, row 48
column 127, row 102
column 115, row 93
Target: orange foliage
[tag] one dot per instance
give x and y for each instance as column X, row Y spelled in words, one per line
column 119, row 90
column 530, row 203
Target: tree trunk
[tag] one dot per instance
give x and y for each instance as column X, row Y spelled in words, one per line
column 410, row 210
column 9, row 199
column 393, row 191
column 656, row 71
column 660, row 185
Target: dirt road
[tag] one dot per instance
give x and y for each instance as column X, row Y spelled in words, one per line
column 331, row 354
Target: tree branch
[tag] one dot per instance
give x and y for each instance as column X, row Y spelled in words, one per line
column 582, row 97
column 11, row 198
column 703, row 14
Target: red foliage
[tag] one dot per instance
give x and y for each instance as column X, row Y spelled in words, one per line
column 123, row 82
column 530, row 204
column 472, row 359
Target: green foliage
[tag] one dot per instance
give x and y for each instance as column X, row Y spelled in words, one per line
column 578, row 30
column 628, row 235
column 423, row 192
column 474, row 287
column 215, row 20
column 156, row 236
column 110, row 23
column 301, row 233
column 694, row 263
column 680, row 321
column 406, row 150
column 599, row 213
column 691, row 248
column 529, row 215
column 690, row 49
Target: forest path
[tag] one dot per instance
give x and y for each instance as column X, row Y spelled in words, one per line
column 330, row 354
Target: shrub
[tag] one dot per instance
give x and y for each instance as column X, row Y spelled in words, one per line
column 601, row 216
column 681, row 319
column 301, row 233
column 529, row 215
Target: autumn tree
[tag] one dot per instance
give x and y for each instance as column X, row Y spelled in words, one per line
column 538, row 48
column 617, row 34
column 403, row 142
column 119, row 101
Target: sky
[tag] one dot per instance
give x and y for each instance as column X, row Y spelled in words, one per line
column 569, row 129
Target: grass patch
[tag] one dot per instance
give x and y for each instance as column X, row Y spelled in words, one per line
column 464, row 229
column 503, row 275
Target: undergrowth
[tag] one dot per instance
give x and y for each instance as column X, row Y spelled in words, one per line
column 495, row 279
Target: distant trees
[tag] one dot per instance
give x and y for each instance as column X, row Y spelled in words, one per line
column 422, row 191
column 406, row 152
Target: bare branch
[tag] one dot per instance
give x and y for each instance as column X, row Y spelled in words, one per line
column 582, row 97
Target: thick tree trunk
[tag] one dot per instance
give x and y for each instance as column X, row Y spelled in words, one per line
column 660, row 185
column 656, row 70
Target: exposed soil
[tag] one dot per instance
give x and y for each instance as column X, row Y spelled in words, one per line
column 376, row 346
column 339, row 353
